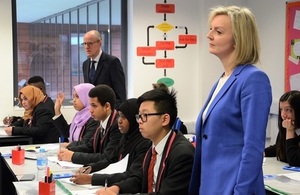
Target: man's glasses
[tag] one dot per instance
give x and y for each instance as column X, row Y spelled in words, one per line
column 89, row 44
column 144, row 116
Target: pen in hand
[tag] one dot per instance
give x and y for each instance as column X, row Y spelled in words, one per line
column 59, row 140
column 84, row 170
column 105, row 184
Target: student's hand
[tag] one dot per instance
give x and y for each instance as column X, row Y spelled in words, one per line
column 84, row 170
column 113, row 190
column 288, row 124
column 8, row 130
column 65, row 155
column 58, row 103
column 81, row 179
column 8, row 120
column 64, row 145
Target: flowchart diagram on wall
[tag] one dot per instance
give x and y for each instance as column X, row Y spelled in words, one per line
column 149, row 53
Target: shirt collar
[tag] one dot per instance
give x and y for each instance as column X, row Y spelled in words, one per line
column 159, row 148
column 98, row 57
column 104, row 123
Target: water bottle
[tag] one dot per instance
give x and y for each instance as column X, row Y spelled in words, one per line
column 41, row 164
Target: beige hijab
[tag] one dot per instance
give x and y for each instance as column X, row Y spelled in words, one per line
column 34, row 96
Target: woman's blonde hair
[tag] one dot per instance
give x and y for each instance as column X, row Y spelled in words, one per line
column 244, row 32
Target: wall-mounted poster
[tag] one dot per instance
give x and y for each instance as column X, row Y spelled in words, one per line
column 292, row 52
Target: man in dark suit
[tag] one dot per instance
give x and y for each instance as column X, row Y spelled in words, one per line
column 168, row 163
column 102, row 68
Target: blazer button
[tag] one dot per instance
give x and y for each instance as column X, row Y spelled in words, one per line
column 204, row 136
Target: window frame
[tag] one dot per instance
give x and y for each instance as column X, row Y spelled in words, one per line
column 108, row 39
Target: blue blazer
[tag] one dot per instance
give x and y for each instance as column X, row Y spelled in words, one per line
column 231, row 140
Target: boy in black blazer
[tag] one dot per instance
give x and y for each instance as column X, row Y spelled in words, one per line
column 107, row 135
column 174, row 158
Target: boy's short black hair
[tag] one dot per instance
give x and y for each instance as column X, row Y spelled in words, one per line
column 164, row 102
column 104, row 94
column 35, row 79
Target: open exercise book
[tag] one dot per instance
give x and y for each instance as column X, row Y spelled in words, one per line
column 118, row 167
column 288, row 183
column 63, row 164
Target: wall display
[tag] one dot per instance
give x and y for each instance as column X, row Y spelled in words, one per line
column 292, row 51
column 164, row 43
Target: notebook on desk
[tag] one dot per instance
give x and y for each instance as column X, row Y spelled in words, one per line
column 283, row 183
column 63, row 164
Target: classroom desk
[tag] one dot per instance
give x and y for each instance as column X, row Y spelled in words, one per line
column 11, row 173
column 8, row 140
column 272, row 167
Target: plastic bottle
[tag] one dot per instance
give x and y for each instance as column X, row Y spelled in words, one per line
column 41, row 164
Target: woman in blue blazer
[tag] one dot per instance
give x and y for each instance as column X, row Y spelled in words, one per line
column 231, row 126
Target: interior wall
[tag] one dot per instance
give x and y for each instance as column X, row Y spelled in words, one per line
column 6, row 56
column 270, row 16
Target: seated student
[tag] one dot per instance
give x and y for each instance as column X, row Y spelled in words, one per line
column 36, row 121
column 83, row 126
column 132, row 144
column 167, row 165
column 38, row 82
column 287, row 148
column 107, row 135
column 178, row 124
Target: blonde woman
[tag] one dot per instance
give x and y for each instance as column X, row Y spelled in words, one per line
column 231, row 127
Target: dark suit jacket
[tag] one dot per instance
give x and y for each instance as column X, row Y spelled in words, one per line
column 86, row 133
column 174, row 177
column 41, row 128
column 110, row 72
column 293, row 151
column 48, row 103
column 99, row 146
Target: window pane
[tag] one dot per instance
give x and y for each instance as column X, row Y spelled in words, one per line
column 116, row 28
column 48, row 39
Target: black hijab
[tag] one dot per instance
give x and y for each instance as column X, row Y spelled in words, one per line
column 129, row 108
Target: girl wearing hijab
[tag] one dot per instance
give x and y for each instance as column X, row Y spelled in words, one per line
column 83, row 126
column 132, row 143
column 36, row 121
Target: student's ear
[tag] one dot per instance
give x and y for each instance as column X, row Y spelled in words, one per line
column 165, row 119
column 107, row 106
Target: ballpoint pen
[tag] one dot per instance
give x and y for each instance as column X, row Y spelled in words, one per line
column 105, row 184
column 83, row 170
column 59, row 140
